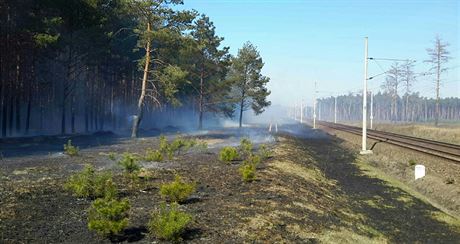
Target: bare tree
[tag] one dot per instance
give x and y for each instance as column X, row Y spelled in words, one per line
column 391, row 86
column 438, row 56
column 408, row 78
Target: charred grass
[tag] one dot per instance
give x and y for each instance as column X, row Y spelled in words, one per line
column 309, row 191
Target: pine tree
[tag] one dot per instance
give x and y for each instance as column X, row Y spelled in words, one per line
column 209, row 68
column 249, row 85
column 159, row 25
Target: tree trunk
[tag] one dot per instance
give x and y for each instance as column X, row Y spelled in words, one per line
column 63, row 112
column 4, row 112
column 140, row 105
column 201, row 105
column 10, row 116
column 241, row 111
column 438, row 74
column 29, row 107
column 407, row 108
column 72, row 115
column 18, row 90
column 29, row 98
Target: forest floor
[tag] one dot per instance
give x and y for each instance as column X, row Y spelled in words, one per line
column 314, row 189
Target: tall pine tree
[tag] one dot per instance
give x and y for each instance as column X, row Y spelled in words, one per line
column 208, row 70
column 249, row 85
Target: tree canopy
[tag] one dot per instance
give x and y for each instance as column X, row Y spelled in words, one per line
column 87, row 65
column 250, row 91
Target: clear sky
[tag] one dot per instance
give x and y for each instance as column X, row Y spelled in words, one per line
column 306, row 41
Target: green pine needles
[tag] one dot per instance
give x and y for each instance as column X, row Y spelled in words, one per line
column 108, row 216
column 70, row 149
column 169, row 223
column 130, row 163
column 177, row 191
column 89, row 184
column 228, row 154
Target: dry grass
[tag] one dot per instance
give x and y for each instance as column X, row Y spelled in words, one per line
column 346, row 236
column 394, row 161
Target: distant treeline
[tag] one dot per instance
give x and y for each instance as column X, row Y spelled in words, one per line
column 412, row 108
column 71, row 66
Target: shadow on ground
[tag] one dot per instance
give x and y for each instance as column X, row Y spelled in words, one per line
column 45, row 144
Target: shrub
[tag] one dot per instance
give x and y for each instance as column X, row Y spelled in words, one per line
column 189, row 143
column 129, row 162
column 248, row 168
column 81, row 184
column 248, row 172
column 412, row 162
column 246, row 146
column 178, row 144
column 112, row 156
column 70, row 149
column 108, row 216
column 90, row 184
column 170, row 153
column 169, row 223
column 228, row 154
column 264, row 152
column 103, row 186
column 202, row 146
column 177, row 191
column 253, row 160
column 164, row 146
column 153, row 155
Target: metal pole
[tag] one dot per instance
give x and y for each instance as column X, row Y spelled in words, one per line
column 295, row 111
column 372, row 109
column 301, row 111
column 319, row 112
column 314, row 109
column 364, row 136
column 335, row 110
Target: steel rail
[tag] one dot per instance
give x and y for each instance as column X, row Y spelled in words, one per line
column 405, row 141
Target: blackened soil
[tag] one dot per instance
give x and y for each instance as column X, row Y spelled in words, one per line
column 309, row 189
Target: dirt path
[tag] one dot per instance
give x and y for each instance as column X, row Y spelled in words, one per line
column 310, row 191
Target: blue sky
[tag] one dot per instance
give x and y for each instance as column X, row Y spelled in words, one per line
column 306, row 41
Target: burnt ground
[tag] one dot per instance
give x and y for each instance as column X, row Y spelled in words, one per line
column 312, row 190
column 441, row 184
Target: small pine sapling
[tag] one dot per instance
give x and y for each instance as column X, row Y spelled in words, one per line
column 177, row 191
column 164, row 145
column 248, row 168
column 253, row 160
column 169, row 223
column 228, row 154
column 153, row 155
column 248, row 172
column 264, row 152
column 70, row 149
column 90, row 184
column 246, row 146
column 108, row 216
column 112, row 156
column 202, row 146
column 130, row 163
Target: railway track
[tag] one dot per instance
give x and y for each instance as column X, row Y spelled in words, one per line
column 435, row 148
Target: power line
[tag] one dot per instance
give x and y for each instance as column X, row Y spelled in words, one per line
column 391, row 59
